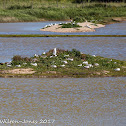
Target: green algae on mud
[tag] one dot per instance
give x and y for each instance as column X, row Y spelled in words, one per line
column 60, row 63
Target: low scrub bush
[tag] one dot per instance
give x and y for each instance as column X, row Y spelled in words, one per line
column 19, row 58
column 76, row 53
column 70, row 25
column 79, row 19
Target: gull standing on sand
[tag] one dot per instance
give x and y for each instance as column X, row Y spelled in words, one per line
column 88, row 26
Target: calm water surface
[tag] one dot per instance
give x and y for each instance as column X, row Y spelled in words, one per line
column 70, row 101
column 34, row 28
column 106, row 47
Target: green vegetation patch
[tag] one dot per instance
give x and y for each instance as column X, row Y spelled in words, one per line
column 13, row 7
column 79, row 19
column 70, row 25
column 65, row 63
column 51, row 10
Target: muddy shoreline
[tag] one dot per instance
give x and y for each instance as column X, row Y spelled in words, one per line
column 57, row 76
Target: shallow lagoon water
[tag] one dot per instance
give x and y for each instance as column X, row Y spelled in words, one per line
column 70, row 101
column 34, row 28
column 100, row 46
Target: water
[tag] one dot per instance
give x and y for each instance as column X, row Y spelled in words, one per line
column 106, row 47
column 70, row 101
column 34, row 28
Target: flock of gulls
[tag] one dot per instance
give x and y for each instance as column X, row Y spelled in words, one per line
column 49, row 25
column 85, row 64
column 72, row 22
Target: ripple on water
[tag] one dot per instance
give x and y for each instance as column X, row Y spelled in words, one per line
column 99, row 46
column 34, row 28
column 70, row 101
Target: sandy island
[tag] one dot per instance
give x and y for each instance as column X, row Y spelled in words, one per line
column 85, row 27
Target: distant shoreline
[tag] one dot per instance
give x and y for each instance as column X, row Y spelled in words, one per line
column 109, row 20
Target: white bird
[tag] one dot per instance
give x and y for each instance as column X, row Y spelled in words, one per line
column 24, row 63
column 51, row 56
column 8, row 65
column 117, row 69
column 18, row 65
column 93, row 55
column 65, row 62
column 43, row 53
column 62, row 65
column 86, row 67
column 96, row 64
column 85, row 62
column 34, row 64
column 54, row 66
column 54, row 52
column 88, row 26
column 66, row 55
column 35, row 55
column 79, row 65
column 70, row 59
column 90, row 65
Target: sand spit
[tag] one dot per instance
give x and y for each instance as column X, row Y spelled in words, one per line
column 19, row 71
column 85, row 27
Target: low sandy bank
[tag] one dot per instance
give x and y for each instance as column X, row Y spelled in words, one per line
column 85, row 27
column 19, row 71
